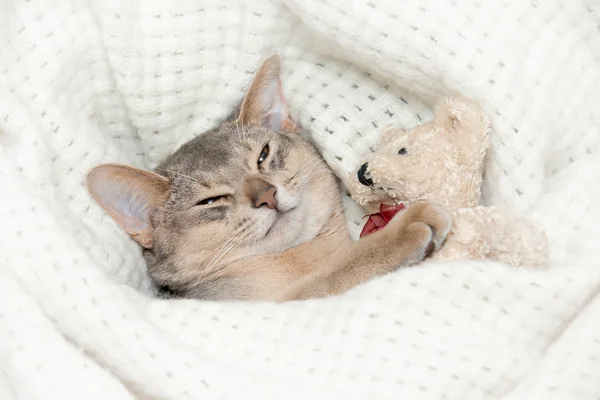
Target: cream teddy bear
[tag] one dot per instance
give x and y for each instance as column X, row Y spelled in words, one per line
column 442, row 161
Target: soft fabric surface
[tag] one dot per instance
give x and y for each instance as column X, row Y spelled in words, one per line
column 85, row 82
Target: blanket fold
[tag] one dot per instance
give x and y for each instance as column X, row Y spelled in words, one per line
column 84, row 82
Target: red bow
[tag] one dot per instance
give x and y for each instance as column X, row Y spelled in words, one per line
column 379, row 220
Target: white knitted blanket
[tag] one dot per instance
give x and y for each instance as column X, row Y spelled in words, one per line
column 90, row 81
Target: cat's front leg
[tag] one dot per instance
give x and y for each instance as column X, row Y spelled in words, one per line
column 406, row 240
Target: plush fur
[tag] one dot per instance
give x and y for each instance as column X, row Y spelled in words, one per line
column 442, row 161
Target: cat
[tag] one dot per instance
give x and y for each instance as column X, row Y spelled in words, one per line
column 251, row 211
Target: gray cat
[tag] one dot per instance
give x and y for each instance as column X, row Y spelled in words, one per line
column 250, row 211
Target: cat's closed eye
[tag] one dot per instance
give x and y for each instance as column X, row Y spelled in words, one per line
column 263, row 155
column 209, row 200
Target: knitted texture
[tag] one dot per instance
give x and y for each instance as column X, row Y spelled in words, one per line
column 84, row 82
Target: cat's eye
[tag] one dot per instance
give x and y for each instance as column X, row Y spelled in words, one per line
column 403, row 151
column 209, row 200
column 263, row 155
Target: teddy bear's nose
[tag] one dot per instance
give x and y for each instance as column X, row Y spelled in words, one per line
column 361, row 175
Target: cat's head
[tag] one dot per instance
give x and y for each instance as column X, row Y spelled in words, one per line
column 251, row 186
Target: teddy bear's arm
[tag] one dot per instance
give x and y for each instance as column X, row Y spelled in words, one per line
column 497, row 234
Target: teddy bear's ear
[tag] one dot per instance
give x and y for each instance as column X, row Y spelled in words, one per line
column 466, row 124
column 390, row 132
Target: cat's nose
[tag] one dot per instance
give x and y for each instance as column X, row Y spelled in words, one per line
column 267, row 199
column 361, row 175
column 261, row 193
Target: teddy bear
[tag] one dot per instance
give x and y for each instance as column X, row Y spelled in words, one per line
column 442, row 161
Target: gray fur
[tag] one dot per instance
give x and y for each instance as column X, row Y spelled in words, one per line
column 212, row 164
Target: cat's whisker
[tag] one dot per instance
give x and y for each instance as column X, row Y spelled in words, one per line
column 178, row 174
column 234, row 244
column 241, row 132
column 246, row 134
column 226, row 248
column 239, row 153
column 307, row 174
column 237, row 129
column 216, row 266
column 311, row 174
column 218, row 256
column 305, row 180
column 310, row 162
column 308, row 171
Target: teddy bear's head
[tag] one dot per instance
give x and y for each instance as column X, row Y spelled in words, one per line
column 441, row 160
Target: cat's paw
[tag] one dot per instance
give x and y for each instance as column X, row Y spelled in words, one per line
column 422, row 229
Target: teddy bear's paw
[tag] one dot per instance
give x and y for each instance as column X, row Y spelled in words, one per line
column 527, row 246
column 533, row 248
column 424, row 227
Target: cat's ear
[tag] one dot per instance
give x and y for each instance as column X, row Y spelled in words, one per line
column 131, row 196
column 264, row 103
